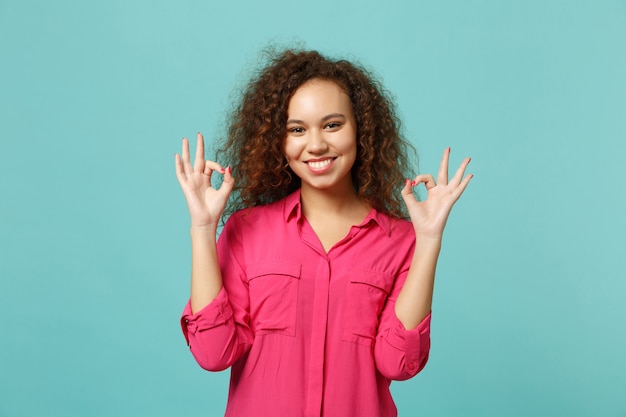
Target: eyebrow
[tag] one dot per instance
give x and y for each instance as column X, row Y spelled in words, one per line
column 325, row 118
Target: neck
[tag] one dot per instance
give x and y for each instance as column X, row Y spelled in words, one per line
column 333, row 202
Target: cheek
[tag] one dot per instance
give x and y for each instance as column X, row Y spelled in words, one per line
column 291, row 149
column 286, row 149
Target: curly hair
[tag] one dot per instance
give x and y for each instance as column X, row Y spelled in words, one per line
column 254, row 147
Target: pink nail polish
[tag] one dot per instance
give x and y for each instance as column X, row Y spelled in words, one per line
column 413, row 183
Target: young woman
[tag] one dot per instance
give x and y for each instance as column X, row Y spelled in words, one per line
column 318, row 292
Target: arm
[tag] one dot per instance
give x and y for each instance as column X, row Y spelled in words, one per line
column 403, row 343
column 429, row 219
column 209, row 323
column 400, row 353
column 206, row 205
column 219, row 333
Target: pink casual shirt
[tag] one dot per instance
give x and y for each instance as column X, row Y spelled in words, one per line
column 309, row 333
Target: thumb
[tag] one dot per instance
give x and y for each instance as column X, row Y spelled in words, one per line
column 229, row 181
column 407, row 191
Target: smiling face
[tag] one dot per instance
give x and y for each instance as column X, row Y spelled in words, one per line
column 320, row 143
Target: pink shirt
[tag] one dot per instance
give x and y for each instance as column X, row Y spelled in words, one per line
column 309, row 333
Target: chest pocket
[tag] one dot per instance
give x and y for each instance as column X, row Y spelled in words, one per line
column 273, row 289
column 366, row 294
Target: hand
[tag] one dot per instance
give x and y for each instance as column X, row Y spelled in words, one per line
column 429, row 216
column 206, row 204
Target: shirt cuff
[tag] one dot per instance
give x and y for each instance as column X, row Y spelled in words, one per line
column 414, row 343
column 214, row 314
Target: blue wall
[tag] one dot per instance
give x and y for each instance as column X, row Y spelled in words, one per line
column 529, row 308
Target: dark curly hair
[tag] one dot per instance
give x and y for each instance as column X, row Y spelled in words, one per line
column 254, row 147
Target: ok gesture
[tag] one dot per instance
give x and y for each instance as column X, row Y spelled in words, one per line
column 206, row 203
column 429, row 216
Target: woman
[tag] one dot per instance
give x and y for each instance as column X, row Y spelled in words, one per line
column 318, row 292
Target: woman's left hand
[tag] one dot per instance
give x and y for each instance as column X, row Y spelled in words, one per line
column 429, row 216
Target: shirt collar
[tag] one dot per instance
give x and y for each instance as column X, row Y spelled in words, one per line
column 293, row 208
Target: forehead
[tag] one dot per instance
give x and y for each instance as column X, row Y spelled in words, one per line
column 319, row 96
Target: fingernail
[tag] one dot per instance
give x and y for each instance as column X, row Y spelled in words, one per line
column 229, row 169
column 222, row 170
column 407, row 181
column 413, row 183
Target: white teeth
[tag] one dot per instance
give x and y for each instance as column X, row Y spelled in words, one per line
column 319, row 164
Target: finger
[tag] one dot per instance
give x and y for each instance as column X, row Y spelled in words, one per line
column 459, row 190
column 458, row 176
column 442, row 176
column 180, row 172
column 186, row 163
column 229, row 181
column 427, row 179
column 210, row 166
column 199, row 163
column 407, row 193
column 407, row 189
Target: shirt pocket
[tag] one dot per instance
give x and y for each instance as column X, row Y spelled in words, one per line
column 366, row 294
column 273, row 289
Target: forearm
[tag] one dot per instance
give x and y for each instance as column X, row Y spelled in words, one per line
column 415, row 299
column 206, row 277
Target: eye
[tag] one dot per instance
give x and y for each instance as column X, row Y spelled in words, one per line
column 296, row 129
column 333, row 125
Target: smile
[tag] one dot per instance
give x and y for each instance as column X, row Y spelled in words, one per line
column 320, row 164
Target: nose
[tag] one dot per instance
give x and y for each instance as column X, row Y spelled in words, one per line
column 316, row 144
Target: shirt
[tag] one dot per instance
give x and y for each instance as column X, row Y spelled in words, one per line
column 308, row 333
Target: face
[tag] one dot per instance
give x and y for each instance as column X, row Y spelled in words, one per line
column 320, row 143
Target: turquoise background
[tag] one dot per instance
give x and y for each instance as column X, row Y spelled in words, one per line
column 529, row 311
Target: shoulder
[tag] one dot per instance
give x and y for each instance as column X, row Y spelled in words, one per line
column 253, row 216
column 395, row 227
column 402, row 226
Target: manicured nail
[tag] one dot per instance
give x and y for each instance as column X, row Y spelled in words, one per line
column 407, row 182
column 413, row 183
column 229, row 169
column 222, row 170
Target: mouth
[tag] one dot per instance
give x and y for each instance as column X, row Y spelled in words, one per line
column 319, row 164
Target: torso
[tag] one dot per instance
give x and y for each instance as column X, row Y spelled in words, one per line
column 331, row 232
column 331, row 228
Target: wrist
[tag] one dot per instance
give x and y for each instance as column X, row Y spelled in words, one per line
column 203, row 230
column 432, row 242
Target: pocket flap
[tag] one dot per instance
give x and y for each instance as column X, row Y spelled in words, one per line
column 377, row 279
column 277, row 267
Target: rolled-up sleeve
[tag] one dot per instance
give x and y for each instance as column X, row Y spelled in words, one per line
column 399, row 353
column 217, row 313
column 219, row 333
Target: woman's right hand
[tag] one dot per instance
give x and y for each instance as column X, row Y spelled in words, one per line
column 206, row 204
